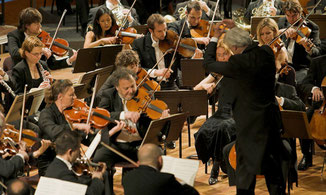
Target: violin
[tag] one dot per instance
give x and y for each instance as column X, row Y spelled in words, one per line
column 99, row 119
column 82, row 167
column 301, row 33
column 187, row 46
column 143, row 102
column 201, row 30
column 60, row 46
column 143, row 81
column 276, row 46
column 28, row 136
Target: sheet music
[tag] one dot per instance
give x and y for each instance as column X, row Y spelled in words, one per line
column 58, row 187
column 184, row 169
column 93, row 145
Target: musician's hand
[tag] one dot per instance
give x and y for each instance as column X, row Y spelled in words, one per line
column 22, row 150
column 306, row 43
column 209, row 87
column 279, row 100
column 99, row 174
column 217, row 30
column 74, row 56
column 47, row 52
column 130, row 18
column 44, row 84
column 139, row 36
column 120, row 125
column 82, row 127
column 290, row 33
column 273, row 11
column 161, row 72
column 229, row 23
column 204, row 6
column 198, row 54
column 44, row 145
column 2, row 72
column 317, row 95
column 165, row 113
column 109, row 40
column 202, row 40
column 133, row 116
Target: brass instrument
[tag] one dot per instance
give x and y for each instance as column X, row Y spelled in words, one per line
column 238, row 17
column 119, row 16
column 264, row 9
column 182, row 11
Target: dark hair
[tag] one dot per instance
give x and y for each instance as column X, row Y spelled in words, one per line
column 59, row 86
column 67, row 140
column 13, row 189
column 292, row 6
column 121, row 73
column 126, row 58
column 193, row 5
column 155, row 18
column 96, row 23
column 28, row 16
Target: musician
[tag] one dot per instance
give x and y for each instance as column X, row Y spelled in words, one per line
column 267, row 30
column 103, row 26
column 68, row 150
column 60, row 95
column 206, row 6
column 119, row 11
column 299, row 53
column 193, row 17
column 19, row 187
column 30, row 25
column 147, row 178
column 255, row 110
column 312, row 85
column 149, row 53
column 273, row 10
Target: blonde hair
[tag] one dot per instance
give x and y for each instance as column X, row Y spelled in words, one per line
column 30, row 43
column 266, row 22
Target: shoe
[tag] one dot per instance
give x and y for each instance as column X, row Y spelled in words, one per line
column 304, row 164
column 214, row 173
column 171, row 145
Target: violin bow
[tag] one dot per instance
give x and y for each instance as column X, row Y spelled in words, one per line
column 125, row 19
column 212, row 21
column 303, row 19
column 22, row 114
column 56, row 31
column 120, row 154
column 92, row 100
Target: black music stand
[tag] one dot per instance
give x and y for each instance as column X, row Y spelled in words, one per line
column 33, row 102
column 165, row 130
column 141, row 29
column 88, row 80
column 188, row 68
column 90, row 59
column 295, row 124
column 186, row 101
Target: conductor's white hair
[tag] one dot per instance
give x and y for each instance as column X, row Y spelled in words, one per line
column 237, row 37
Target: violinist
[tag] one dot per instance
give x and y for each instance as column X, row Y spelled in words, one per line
column 52, row 122
column 149, row 53
column 119, row 11
column 299, row 53
column 30, row 25
column 193, row 19
column 68, row 150
column 104, row 25
column 267, row 30
column 31, row 70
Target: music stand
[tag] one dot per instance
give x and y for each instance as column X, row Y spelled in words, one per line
column 188, row 67
column 165, row 130
column 141, row 29
column 36, row 98
column 88, row 80
column 108, row 54
column 295, row 124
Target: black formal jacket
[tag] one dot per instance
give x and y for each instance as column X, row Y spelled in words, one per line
column 59, row 170
column 291, row 99
column 255, row 109
column 111, row 101
column 147, row 58
column 316, row 74
column 210, row 4
column 10, row 168
column 255, row 4
column 146, row 180
column 301, row 59
column 15, row 42
column 92, row 14
column 21, row 75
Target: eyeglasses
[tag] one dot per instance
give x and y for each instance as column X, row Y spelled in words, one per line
column 36, row 54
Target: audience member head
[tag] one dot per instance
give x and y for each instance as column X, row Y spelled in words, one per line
column 150, row 155
column 267, row 29
column 103, row 21
column 193, row 13
column 18, row 187
column 127, row 59
column 67, row 145
column 157, row 26
column 292, row 10
column 60, row 92
column 32, row 49
column 30, row 21
column 124, row 81
column 237, row 39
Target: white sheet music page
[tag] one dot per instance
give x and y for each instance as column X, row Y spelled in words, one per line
column 59, row 187
column 184, row 169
